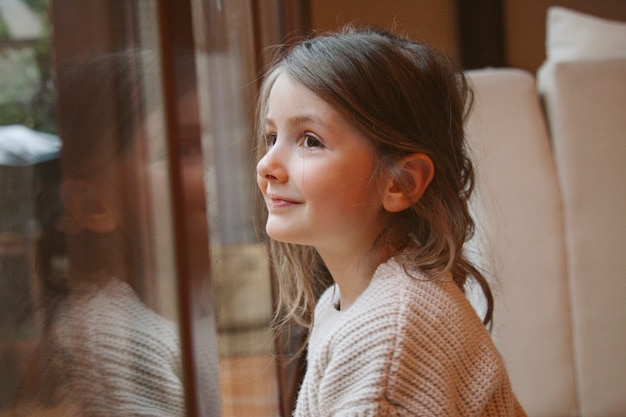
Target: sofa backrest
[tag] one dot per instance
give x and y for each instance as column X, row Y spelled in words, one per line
column 550, row 207
column 586, row 106
column 520, row 239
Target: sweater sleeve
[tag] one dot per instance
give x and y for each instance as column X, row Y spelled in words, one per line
column 444, row 362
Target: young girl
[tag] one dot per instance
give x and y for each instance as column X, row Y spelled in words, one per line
column 366, row 180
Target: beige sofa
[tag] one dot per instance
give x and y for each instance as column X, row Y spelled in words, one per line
column 550, row 204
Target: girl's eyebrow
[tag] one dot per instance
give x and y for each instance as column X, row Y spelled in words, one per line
column 300, row 119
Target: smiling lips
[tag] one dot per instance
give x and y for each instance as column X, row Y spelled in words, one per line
column 276, row 201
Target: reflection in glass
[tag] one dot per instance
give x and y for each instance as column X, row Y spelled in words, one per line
column 101, row 346
column 90, row 326
column 90, row 318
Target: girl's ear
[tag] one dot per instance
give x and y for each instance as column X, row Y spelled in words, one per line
column 88, row 207
column 419, row 169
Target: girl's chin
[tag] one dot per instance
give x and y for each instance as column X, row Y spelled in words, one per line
column 282, row 236
column 279, row 238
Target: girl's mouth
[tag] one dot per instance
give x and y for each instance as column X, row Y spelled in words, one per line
column 276, row 201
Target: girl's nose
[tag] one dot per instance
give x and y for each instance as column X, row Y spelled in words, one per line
column 271, row 167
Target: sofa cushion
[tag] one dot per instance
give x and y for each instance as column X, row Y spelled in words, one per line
column 586, row 102
column 519, row 239
column 571, row 35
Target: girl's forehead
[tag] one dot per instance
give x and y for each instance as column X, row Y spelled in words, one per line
column 290, row 98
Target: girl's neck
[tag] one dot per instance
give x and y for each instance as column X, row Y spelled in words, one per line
column 352, row 274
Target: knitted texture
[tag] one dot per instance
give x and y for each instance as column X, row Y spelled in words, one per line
column 107, row 354
column 408, row 346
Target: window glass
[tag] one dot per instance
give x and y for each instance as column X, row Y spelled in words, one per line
column 227, row 76
column 90, row 288
column 29, row 148
column 131, row 280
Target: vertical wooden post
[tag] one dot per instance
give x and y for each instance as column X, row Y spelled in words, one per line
column 192, row 255
column 481, row 32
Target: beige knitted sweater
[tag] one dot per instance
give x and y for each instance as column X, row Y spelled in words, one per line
column 107, row 354
column 406, row 347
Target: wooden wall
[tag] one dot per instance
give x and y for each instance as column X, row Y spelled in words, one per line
column 460, row 27
column 432, row 21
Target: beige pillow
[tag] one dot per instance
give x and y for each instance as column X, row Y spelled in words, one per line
column 572, row 36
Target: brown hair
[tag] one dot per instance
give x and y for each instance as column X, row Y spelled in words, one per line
column 406, row 98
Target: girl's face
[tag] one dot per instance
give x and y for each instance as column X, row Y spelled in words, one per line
column 317, row 175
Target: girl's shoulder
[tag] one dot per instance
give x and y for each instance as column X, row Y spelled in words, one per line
column 393, row 286
column 397, row 302
column 421, row 308
column 439, row 296
column 414, row 291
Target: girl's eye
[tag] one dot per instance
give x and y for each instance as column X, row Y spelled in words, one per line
column 311, row 141
column 270, row 139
